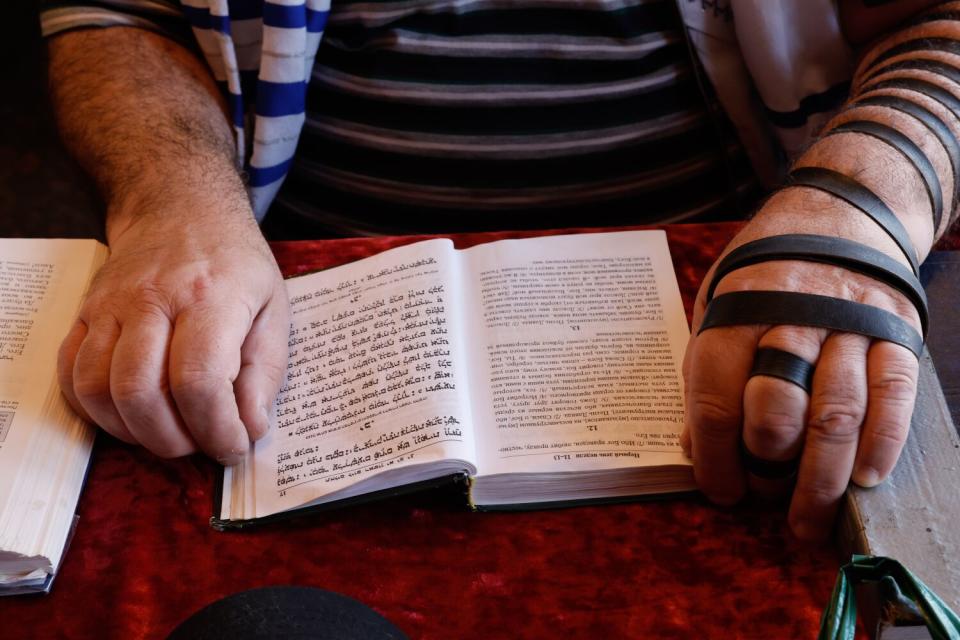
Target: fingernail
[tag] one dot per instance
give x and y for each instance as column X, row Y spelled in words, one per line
column 866, row 476
column 230, row 459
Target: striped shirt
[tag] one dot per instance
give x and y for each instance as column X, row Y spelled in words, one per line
column 445, row 115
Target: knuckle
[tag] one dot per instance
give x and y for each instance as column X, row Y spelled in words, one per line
column 800, row 341
column 201, row 287
column 714, row 410
column 195, row 383
column 890, row 435
column 91, row 388
column 897, row 381
column 132, row 390
column 837, row 421
column 774, row 430
column 147, row 298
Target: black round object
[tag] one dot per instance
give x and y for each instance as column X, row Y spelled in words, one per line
column 294, row 613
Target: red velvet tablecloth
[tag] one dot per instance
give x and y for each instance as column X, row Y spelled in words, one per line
column 144, row 557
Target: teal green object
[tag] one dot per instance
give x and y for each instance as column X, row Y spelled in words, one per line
column 910, row 595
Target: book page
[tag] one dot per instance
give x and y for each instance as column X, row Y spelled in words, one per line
column 44, row 446
column 579, row 341
column 374, row 381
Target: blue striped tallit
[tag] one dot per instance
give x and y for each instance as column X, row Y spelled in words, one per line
column 261, row 54
column 275, row 41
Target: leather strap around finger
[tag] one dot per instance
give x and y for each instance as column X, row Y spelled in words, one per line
column 909, row 150
column 767, row 469
column 809, row 310
column 839, row 252
column 859, row 196
column 784, row 365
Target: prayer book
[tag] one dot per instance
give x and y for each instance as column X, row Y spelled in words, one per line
column 44, row 446
column 543, row 372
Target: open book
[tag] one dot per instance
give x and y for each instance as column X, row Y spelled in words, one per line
column 44, row 446
column 545, row 370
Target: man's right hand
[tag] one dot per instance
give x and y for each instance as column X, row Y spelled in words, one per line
column 181, row 343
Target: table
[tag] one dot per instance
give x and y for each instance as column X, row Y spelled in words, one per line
column 144, row 558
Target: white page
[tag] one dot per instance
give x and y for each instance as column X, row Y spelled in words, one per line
column 576, row 345
column 375, row 381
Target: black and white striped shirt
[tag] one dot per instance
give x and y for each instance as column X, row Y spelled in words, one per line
column 447, row 115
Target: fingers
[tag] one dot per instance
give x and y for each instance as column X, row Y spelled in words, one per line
column 774, row 410
column 140, row 388
column 837, row 408
column 66, row 356
column 204, row 363
column 717, row 375
column 91, row 376
column 263, row 361
column 892, row 374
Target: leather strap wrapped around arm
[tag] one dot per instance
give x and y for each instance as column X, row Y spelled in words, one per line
column 909, row 150
column 927, row 88
column 948, row 45
column 919, row 64
column 935, row 125
column 859, row 196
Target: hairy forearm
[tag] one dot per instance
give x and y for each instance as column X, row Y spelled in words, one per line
column 145, row 119
column 876, row 164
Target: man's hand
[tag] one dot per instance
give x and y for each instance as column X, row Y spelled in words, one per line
column 181, row 343
column 852, row 425
column 855, row 420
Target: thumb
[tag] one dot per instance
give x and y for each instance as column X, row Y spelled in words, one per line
column 263, row 364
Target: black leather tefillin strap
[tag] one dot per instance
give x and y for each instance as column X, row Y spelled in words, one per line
column 805, row 309
column 839, row 252
column 784, row 365
column 862, row 198
column 917, row 85
column 939, row 67
column 810, row 310
column 768, row 469
column 909, row 150
column 933, row 16
column 947, row 45
column 935, row 125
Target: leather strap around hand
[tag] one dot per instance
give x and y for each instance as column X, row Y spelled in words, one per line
column 859, row 196
column 826, row 250
column 809, row 310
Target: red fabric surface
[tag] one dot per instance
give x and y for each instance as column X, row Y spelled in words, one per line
column 144, row 557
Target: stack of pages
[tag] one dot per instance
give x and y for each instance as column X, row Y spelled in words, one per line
column 44, row 446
